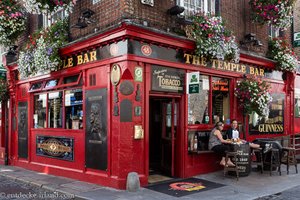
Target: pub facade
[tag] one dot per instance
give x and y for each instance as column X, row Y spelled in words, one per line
column 132, row 99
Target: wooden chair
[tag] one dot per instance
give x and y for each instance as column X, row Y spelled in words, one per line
column 258, row 162
column 289, row 158
column 233, row 156
column 273, row 161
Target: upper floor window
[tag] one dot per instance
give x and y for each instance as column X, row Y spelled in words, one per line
column 58, row 15
column 275, row 32
column 96, row 1
column 195, row 6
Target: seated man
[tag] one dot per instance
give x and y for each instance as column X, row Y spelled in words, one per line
column 233, row 133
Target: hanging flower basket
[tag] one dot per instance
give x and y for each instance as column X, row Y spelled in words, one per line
column 48, row 6
column 278, row 13
column 253, row 96
column 281, row 51
column 213, row 41
column 41, row 52
column 12, row 22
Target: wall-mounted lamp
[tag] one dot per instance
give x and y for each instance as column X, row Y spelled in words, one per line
column 84, row 19
column 251, row 39
column 175, row 10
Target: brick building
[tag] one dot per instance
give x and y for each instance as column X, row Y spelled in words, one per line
column 120, row 101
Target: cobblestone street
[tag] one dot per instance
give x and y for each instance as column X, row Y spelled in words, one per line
column 291, row 194
column 11, row 189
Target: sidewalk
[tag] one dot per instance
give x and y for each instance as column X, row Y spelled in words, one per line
column 253, row 186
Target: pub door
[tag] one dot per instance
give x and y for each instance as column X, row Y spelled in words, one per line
column 163, row 128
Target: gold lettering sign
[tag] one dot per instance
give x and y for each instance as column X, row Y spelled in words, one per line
column 81, row 59
column 223, row 65
column 54, row 147
column 273, row 128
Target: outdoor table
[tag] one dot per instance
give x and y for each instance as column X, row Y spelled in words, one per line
column 243, row 159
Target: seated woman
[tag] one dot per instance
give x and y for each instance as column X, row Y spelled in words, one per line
column 217, row 143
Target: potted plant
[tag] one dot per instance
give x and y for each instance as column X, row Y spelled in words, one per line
column 253, row 96
column 41, row 54
column 12, row 22
column 281, row 51
column 211, row 37
column 278, row 13
column 48, row 6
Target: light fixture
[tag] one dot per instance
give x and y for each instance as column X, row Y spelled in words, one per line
column 175, row 10
column 80, row 24
column 251, row 39
column 84, row 19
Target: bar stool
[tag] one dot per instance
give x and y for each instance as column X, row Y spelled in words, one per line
column 259, row 159
column 274, row 160
column 233, row 156
column 289, row 158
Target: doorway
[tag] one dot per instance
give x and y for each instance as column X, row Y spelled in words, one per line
column 163, row 130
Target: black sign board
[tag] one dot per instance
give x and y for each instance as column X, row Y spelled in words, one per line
column 23, row 130
column 126, row 111
column 273, row 124
column 55, row 147
column 167, row 79
column 96, row 129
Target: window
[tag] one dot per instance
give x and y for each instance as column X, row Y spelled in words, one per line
column 55, row 110
column 51, row 83
column 220, row 100
column 96, row 1
column 73, row 109
column 50, row 19
column 210, row 105
column 39, row 115
column 297, row 102
column 70, row 79
column 36, row 86
column 195, row 6
column 198, row 112
column 275, row 32
column 59, row 109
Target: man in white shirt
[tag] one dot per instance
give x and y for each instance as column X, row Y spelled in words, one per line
column 233, row 133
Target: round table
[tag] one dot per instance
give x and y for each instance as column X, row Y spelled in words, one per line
column 243, row 159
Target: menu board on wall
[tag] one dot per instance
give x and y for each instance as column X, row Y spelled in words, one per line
column 273, row 124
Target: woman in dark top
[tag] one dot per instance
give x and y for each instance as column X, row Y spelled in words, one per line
column 217, row 143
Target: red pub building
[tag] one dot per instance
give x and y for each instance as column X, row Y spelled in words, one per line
column 121, row 101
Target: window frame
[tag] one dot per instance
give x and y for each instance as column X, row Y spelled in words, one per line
column 48, row 20
column 38, row 89
column 63, row 90
column 203, row 8
column 204, row 126
column 59, row 85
